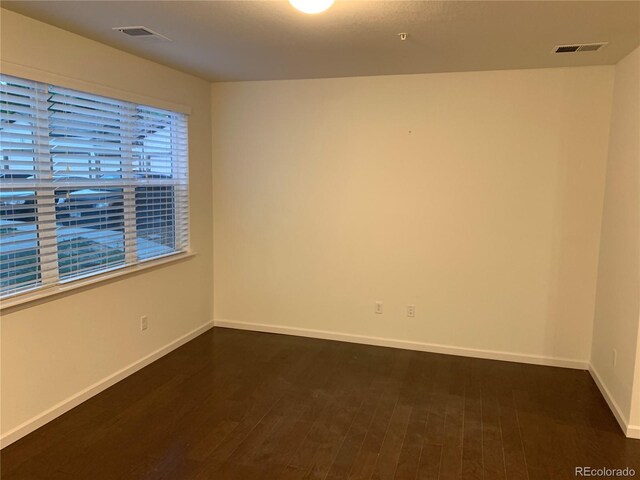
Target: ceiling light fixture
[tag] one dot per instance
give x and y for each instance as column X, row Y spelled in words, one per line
column 311, row 6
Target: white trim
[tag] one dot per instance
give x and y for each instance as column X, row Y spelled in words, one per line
column 129, row 196
column 631, row 431
column 40, row 293
column 38, row 75
column 76, row 399
column 45, row 210
column 407, row 345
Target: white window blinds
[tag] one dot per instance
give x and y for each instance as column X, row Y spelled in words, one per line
column 87, row 184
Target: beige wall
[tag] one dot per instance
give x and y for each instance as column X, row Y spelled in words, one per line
column 53, row 350
column 475, row 196
column 618, row 296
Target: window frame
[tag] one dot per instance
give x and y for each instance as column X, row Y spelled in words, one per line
column 50, row 282
column 83, row 283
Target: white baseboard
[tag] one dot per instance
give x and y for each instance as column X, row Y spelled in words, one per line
column 631, row 431
column 75, row 400
column 407, row 345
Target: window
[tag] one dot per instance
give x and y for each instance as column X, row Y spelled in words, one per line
column 87, row 184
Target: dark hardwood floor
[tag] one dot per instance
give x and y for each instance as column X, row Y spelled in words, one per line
column 241, row 405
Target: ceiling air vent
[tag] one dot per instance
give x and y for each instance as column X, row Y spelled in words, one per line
column 141, row 32
column 578, row 47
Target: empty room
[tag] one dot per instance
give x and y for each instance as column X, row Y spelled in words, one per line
column 319, row 239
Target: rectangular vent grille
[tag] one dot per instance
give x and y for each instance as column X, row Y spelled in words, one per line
column 578, row 47
column 141, row 32
column 136, row 32
column 594, row 47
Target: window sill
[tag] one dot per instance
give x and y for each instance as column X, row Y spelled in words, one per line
column 82, row 283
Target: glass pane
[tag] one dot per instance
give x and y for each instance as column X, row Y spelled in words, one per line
column 90, row 230
column 155, row 221
column 19, row 246
column 19, row 133
column 87, row 135
column 153, row 148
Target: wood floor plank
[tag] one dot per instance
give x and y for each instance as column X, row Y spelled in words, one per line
column 355, row 437
column 472, row 445
column 367, row 458
column 388, row 459
column 411, row 451
column 492, row 447
column 430, row 460
column 389, row 455
column 451, row 461
column 514, row 456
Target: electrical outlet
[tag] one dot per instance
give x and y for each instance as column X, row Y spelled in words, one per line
column 411, row 310
column 377, row 309
column 614, row 358
column 144, row 322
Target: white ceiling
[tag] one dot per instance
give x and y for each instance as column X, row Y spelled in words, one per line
column 259, row 40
